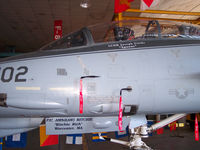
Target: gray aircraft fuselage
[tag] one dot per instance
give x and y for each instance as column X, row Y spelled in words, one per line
column 164, row 76
column 153, row 73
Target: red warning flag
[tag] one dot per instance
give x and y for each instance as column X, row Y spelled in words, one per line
column 196, row 130
column 120, row 114
column 148, row 2
column 122, row 5
column 46, row 140
column 81, row 97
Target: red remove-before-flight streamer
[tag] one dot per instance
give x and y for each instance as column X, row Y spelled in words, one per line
column 196, row 129
column 120, row 114
column 81, row 97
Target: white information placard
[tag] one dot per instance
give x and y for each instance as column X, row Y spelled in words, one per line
column 78, row 125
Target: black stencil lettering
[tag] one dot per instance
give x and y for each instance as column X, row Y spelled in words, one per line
column 9, row 70
column 23, row 70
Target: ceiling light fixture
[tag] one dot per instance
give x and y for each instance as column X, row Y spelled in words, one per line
column 85, row 3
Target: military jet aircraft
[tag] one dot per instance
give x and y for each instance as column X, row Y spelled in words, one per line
column 104, row 78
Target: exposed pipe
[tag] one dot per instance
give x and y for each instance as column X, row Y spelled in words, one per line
column 164, row 12
column 148, row 18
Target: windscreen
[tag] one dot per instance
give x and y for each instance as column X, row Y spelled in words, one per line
column 72, row 40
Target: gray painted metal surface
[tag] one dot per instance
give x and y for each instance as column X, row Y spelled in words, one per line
column 165, row 78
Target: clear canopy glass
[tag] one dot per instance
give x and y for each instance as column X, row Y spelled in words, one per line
column 126, row 30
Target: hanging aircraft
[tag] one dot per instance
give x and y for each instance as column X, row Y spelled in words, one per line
column 104, row 78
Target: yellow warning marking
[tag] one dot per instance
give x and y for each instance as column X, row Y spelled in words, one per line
column 99, row 132
column 61, row 89
column 97, row 137
column 65, row 89
column 178, row 125
column 28, row 88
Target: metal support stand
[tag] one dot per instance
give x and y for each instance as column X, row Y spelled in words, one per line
column 138, row 133
column 136, row 138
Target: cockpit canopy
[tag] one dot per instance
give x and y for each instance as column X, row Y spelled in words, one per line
column 126, row 30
